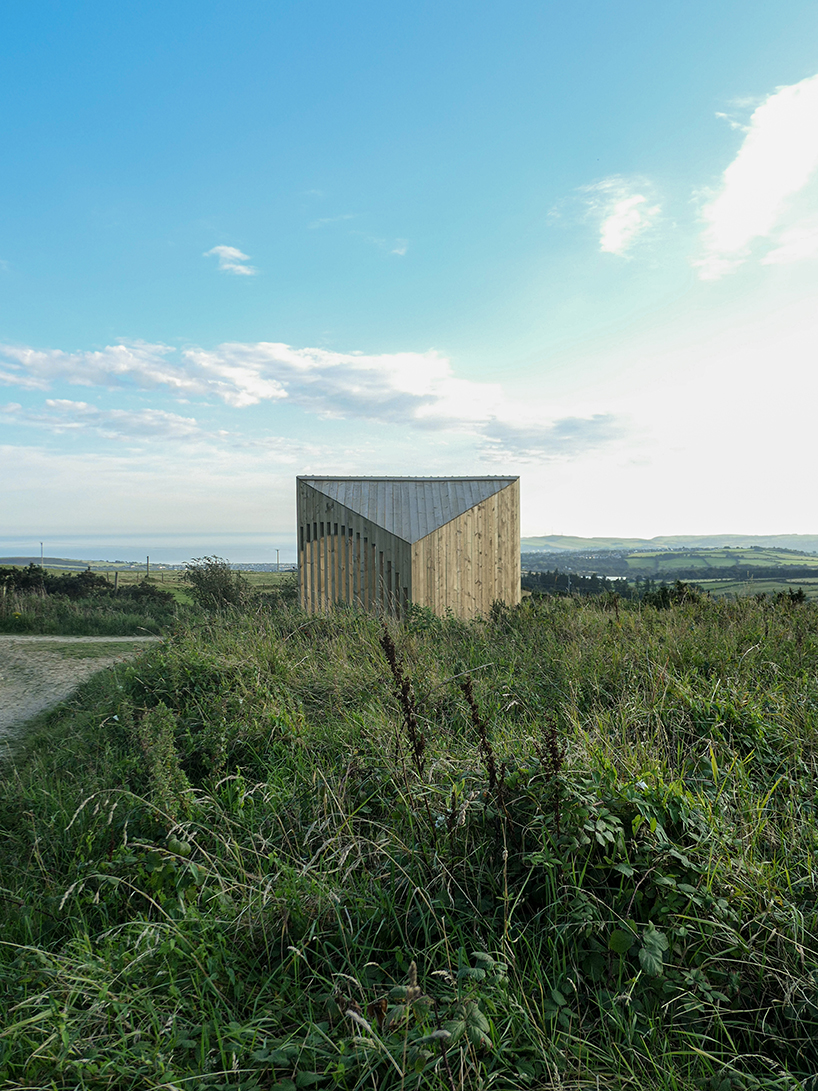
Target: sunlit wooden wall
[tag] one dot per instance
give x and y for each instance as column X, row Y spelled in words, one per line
column 473, row 560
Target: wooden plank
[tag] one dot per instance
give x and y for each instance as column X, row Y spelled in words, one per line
column 480, row 558
column 365, row 564
column 376, row 591
column 350, row 565
column 467, row 568
column 356, row 569
column 319, row 568
column 311, row 566
column 343, row 563
column 332, row 535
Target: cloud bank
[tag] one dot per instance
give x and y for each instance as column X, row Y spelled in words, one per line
column 418, row 391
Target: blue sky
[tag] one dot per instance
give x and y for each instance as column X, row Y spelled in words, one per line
column 578, row 242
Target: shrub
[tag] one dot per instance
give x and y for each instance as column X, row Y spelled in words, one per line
column 213, row 583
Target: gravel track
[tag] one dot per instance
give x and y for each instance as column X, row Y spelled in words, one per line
column 38, row 672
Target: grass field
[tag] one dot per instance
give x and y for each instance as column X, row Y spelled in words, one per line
column 759, row 587
column 804, row 543
column 661, row 563
column 173, row 579
column 569, row 846
column 127, row 604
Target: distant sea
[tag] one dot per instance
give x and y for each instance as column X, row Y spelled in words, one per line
column 161, row 548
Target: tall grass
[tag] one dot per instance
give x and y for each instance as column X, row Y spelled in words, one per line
column 564, row 846
column 59, row 615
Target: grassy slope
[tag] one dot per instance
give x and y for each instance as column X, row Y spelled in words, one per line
column 662, row 563
column 55, row 615
column 227, row 859
column 743, row 588
column 555, row 542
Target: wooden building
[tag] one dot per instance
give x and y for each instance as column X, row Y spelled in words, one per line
column 449, row 543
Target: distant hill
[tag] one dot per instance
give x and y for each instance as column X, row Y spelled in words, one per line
column 562, row 543
column 48, row 562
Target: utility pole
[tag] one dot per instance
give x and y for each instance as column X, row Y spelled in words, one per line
column 147, row 568
column 277, row 568
column 41, row 554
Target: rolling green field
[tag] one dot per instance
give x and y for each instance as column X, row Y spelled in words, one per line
column 568, row 846
column 565, row 543
column 662, row 564
column 744, row 588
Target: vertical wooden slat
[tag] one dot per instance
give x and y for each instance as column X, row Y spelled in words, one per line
column 321, row 567
column 314, row 569
column 364, row 568
column 356, row 570
column 308, row 565
column 376, row 590
column 342, row 537
column 327, row 566
column 350, row 597
column 313, row 565
column 480, row 558
column 302, row 598
column 333, row 568
column 310, row 570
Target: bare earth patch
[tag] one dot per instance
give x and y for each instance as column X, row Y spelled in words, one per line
column 38, row 672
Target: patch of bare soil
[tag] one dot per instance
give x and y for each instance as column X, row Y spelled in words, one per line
column 38, row 672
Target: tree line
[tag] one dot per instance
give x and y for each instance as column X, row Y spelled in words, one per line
column 564, row 583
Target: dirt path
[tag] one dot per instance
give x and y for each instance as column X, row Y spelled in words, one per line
column 37, row 672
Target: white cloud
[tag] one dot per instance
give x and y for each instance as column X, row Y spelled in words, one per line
column 61, row 416
column 232, row 261
column 410, row 389
column 136, row 362
column 65, row 415
column 776, row 160
column 623, row 210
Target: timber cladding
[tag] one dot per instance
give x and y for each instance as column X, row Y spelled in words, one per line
column 449, row 543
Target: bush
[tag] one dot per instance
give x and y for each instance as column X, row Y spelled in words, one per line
column 214, row 585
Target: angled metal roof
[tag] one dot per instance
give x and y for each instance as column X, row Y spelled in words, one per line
column 409, row 507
